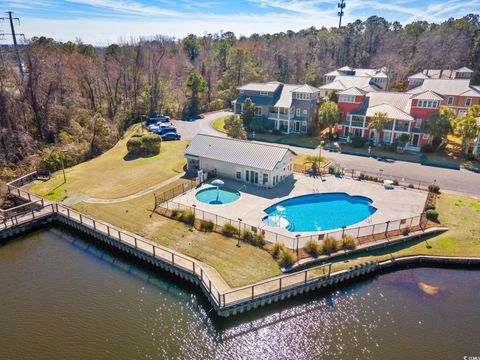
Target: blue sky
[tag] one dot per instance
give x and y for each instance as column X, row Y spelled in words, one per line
column 101, row 22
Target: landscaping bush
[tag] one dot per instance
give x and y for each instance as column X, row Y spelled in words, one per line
column 176, row 214
column 248, row 237
column 312, row 248
column 134, row 145
column 329, row 245
column 331, row 170
column 206, row 225
column 395, row 182
column 432, row 215
column 411, row 186
column 430, row 206
column 277, row 250
column 348, row 242
column 434, row 188
column 151, row 144
column 229, row 230
column 188, row 217
column 427, row 149
column 287, row 258
column 259, row 240
column 407, row 231
column 358, row 142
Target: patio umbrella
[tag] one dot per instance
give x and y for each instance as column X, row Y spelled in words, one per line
column 217, row 183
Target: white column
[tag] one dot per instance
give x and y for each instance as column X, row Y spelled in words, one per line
column 278, row 118
column 288, row 122
column 394, row 134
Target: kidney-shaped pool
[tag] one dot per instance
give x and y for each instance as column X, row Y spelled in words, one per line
column 319, row 212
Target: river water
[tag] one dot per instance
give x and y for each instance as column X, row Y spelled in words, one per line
column 62, row 297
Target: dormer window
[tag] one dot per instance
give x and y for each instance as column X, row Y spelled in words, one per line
column 303, row 96
column 264, row 93
column 427, row 104
column 347, row 98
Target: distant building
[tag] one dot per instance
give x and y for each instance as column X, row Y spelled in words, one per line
column 457, row 94
column 286, row 108
column 459, row 74
column 405, row 111
column 343, row 83
column 377, row 78
column 256, row 163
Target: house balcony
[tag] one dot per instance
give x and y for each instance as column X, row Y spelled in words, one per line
column 275, row 116
column 356, row 124
column 403, row 128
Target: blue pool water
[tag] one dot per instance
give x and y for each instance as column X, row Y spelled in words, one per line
column 210, row 196
column 320, row 212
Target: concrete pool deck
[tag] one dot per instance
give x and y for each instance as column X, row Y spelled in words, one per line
column 392, row 203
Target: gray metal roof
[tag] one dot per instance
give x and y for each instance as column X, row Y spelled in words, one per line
column 239, row 152
column 285, row 99
column 346, row 82
column 257, row 100
column 306, row 89
column 444, row 87
column 270, row 86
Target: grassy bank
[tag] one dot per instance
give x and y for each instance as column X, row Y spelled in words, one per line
column 237, row 265
column 114, row 174
column 219, row 124
column 460, row 214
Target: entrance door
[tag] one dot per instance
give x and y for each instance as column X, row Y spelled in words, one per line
column 415, row 139
column 297, row 126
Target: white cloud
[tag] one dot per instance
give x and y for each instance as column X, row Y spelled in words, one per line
column 129, row 7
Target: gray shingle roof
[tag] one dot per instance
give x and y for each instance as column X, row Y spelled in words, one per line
column 257, row 100
column 444, row 87
column 239, row 152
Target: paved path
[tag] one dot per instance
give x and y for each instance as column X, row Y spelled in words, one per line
column 459, row 181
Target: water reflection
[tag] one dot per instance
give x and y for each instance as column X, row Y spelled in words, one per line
column 64, row 297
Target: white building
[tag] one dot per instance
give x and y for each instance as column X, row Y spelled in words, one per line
column 260, row 164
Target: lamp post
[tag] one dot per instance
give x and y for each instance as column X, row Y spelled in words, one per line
column 320, row 149
column 298, row 239
column 239, row 230
column 194, row 207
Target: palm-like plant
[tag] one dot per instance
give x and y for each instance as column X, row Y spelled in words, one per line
column 438, row 125
column 378, row 122
column 467, row 128
column 329, row 115
column 314, row 162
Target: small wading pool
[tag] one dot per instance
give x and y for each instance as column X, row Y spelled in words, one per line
column 211, row 196
column 319, row 212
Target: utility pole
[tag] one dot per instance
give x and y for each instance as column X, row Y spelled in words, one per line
column 14, row 37
column 341, row 6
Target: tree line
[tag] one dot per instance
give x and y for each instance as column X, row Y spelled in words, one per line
column 77, row 100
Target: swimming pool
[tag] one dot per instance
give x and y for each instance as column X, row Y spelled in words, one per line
column 211, row 196
column 319, row 212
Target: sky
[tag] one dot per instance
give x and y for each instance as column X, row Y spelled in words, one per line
column 102, row 22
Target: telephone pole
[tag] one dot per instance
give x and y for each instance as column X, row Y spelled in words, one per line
column 13, row 34
column 341, row 6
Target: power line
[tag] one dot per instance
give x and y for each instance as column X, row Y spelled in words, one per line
column 13, row 34
column 341, row 5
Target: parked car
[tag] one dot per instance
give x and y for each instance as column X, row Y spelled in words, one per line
column 171, row 136
column 158, row 118
column 157, row 126
column 192, row 118
column 164, row 130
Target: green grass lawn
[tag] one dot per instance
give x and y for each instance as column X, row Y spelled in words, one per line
column 460, row 214
column 237, row 265
column 219, row 124
column 113, row 174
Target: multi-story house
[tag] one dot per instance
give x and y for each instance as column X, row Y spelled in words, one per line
column 459, row 74
column 405, row 111
column 378, row 77
column 457, row 94
column 344, row 82
column 283, row 107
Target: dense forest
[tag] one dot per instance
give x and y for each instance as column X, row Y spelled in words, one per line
column 76, row 100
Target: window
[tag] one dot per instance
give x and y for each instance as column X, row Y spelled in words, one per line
column 239, row 175
column 305, row 112
column 429, row 104
column 265, row 178
column 264, row 93
column 241, row 91
column 468, row 101
column 303, row 96
column 298, row 112
column 450, row 100
column 347, row 98
column 425, row 136
column 258, row 111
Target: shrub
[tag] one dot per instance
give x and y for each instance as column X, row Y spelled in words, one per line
column 331, row 170
column 206, row 225
column 430, row 206
column 248, row 237
column 432, row 215
column 229, row 230
column 411, row 186
column 188, row 217
column 277, row 250
column 312, row 248
column 348, row 242
column 358, row 142
column 134, row 145
column 259, row 240
column 287, row 258
column 175, row 214
column 434, row 188
column 151, row 144
column 329, row 245
column 406, row 231
column 427, row 149
column 395, row 182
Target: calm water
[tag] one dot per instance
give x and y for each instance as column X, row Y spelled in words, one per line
column 217, row 197
column 64, row 298
column 320, row 212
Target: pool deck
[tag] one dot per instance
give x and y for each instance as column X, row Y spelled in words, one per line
column 392, row 203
